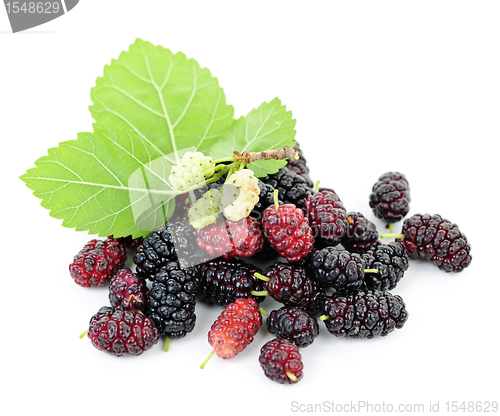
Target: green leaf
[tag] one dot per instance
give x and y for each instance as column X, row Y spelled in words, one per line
column 166, row 98
column 263, row 168
column 268, row 127
column 107, row 182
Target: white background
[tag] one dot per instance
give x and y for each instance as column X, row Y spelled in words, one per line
column 374, row 86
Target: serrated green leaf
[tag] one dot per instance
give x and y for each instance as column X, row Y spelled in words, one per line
column 107, row 182
column 263, row 168
column 268, row 127
column 166, row 98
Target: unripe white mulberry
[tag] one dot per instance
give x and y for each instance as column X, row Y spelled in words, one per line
column 240, row 193
column 206, row 209
column 191, row 169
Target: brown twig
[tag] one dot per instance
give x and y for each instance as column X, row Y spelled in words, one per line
column 276, row 154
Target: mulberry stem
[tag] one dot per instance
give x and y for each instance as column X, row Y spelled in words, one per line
column 324, row 317
column 316, row 187
column 263, row 312
column 291, row 376
column 204, row 363
column 392, row 235
column 167, row 344
column 259, row 292
column 370, row 270
column 84, row 333
column 276, row 199
column 261, row 277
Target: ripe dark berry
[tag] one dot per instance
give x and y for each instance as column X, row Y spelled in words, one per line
column 171, row 242
column 223, row 281
column 338, row 269
column 226, row 238
column 365, row 314
column 281, row 361
column 288, row 232
column 119, row 332
column 327, row 217
column 173, row 299
column 235, row 327
column 293, row 287
column 390, row 197
column 361, row 234
column 128, row 292
column 266, row 198
column 435, row 239
column 293, row 324
column 98, row 262
column 390, row 260
column 292, row 188
column 300, row 167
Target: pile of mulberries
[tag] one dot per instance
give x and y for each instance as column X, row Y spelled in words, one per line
column 324, row 268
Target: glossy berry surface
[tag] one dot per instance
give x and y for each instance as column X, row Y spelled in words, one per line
column 119, row 332
column 235, row 328
column 292, row 188
column 171, row 242
column 327, row 216
column 361, row 233
column 390, row 197
column 281, row 361
column 293, row 287
column 128, row 292
column 229, row 239
column 391, row 262
column 223, row 281
column 337, row 269
column 365, row 314
column 98, row 262
column 438, row 240
column 172, row 300
column 293, row 324
column 288, row 232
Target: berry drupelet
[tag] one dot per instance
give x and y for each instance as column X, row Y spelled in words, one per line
column 293, row 286
column 365, row 314
column 98, row 262
column 120, row 332
column 293, row 324
column 390, row 260
column 390, row 197
column 438, row 240
column 337, row 269
column 361, row 233
column 235, row 328
column 226, row 238
column 223, row 281
column 172, row 300
column 327, row 217
column 281, row 361
column 128, row 292
column 288, row 232
column 171, row 242
column 292, row 188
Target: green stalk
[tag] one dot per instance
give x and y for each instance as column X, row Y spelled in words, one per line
column 392, row 235
column 204, row 363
